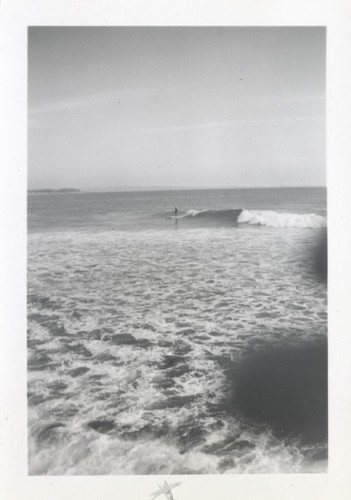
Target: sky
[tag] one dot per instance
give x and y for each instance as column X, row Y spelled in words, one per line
column 117, row 107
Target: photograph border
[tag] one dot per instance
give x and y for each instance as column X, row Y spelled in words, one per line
column 15, row 17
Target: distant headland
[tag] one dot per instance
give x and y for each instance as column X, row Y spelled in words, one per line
column 53, row 191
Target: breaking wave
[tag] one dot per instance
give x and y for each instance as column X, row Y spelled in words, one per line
column 276, row 219
column 210, row 217
column 253, row 217
column 233, row 214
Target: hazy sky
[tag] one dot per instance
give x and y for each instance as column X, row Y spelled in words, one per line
column 189, row 107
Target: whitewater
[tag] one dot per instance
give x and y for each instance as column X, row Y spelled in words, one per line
column 138, row 323
column 255, row 217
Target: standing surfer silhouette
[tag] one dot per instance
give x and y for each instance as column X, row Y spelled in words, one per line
column 176, row 218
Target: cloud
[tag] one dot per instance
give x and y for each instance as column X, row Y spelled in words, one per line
column 87, row 101
column 228, row 123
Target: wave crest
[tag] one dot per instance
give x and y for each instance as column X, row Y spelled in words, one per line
column 208, row 218
column 277, row 219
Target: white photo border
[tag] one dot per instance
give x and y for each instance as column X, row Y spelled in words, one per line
column 15, row 17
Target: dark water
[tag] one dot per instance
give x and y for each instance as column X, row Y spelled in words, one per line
column 177, row 345
column 143, row 210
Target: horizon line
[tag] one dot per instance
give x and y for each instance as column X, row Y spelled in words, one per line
column 132, row 189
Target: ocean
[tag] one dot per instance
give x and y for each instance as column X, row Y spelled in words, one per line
column 159, row 344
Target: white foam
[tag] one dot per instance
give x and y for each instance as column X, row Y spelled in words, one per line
column 193, row 213
column 277, row 219
column 200, row 295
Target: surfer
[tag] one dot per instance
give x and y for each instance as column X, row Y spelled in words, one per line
column 175, row 211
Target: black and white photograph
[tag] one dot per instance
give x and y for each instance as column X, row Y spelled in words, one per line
column 177, row 250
